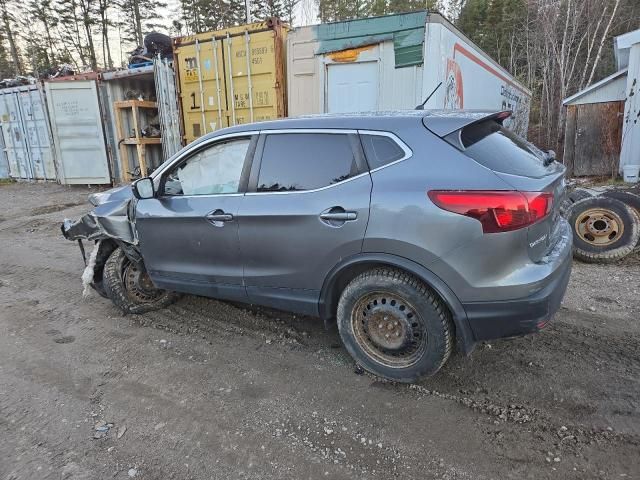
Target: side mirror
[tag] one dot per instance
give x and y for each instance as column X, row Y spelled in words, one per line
column 143, row 188
column 551, row 154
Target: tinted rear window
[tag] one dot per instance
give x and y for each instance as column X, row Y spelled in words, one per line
column 501, row 150
column 305, row 161
column 380, row 150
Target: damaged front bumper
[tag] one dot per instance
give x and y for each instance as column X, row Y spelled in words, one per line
column 110, row 220
column 106, row 221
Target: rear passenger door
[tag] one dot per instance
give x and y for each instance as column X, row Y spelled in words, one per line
column 307, row 207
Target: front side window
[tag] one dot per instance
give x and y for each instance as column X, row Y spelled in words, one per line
column 305, row 161
column 213, row 170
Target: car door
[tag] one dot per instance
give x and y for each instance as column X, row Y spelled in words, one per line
column 306, row 208
column 188, row 234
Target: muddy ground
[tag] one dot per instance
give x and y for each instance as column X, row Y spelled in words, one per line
column 210, row 390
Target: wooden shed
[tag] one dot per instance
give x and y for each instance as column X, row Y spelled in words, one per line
column 594, row 127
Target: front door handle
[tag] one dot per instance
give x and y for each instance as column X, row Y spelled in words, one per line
column 220, row 217
column 339, row 216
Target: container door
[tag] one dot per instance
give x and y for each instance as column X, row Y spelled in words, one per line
column 167, row 101
column 78, row 133
column 36, row 129
column 4, row 164
column 230, row 77
column 14, row 137
column 352, row 87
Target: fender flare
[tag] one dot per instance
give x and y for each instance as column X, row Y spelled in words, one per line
column 464, row 337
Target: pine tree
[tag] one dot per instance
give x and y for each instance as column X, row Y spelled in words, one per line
column 262, row 9
column 8, row 31
column 142, row 17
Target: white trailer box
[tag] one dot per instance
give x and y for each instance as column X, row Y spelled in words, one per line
column 395, row 62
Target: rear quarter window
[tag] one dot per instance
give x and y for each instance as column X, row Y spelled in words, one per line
column 380, row 150
column 501, row 150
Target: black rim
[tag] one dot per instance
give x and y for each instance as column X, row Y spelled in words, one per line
column 389, row 329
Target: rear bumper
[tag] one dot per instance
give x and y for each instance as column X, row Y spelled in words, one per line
column 499, row 319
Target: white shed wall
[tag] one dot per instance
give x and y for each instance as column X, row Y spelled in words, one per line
column 630, row 153
column 397, row 88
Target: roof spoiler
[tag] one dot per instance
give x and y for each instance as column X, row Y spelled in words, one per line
column 445, row 122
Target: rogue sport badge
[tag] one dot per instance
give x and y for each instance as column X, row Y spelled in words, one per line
column 538, row 241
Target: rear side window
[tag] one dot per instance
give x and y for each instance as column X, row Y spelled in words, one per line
column 305, row 161
column 501, row 150
column 380, row 150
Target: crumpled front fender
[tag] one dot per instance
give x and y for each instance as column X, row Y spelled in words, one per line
column 109, row 220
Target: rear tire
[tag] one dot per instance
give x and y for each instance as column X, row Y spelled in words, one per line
column 394, row 326
column 604, row 229
column 130, row 288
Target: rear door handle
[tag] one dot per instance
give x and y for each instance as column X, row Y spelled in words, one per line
column 339, row 216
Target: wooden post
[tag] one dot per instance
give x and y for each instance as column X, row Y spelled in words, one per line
column 570, row 139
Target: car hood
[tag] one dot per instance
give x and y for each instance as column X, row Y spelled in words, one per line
column 114, row 194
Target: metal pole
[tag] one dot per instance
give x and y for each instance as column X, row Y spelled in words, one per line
column 246, row 43
column 204, row 120
column 247, row 6
column 215, row 63
column 233, row 97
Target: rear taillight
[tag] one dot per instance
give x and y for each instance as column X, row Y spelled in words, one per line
column 497, row 211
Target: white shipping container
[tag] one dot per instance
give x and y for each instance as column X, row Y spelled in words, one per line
column 382, row 64
column 26, row 139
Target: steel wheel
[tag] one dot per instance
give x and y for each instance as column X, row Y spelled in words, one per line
column 389, row 329
column 129, row 287
column 138, row 285
column 599, row 226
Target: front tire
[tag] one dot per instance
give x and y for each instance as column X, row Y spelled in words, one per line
column 130, row 288
column 394, row 326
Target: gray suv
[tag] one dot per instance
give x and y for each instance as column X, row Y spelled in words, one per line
column 416, row 231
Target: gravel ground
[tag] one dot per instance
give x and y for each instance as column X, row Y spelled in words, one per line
column 211, row 390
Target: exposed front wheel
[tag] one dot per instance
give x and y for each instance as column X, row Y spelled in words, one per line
column 129, row 287
column 394, row 326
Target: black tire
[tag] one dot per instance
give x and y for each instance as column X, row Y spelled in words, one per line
column 616, row 238
column 404, row 311
column 126, row 292
column 155, row 42
column 99, row 288
column 573, row 197
column 106, row 248
column 630, row 198
column 578, row 194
